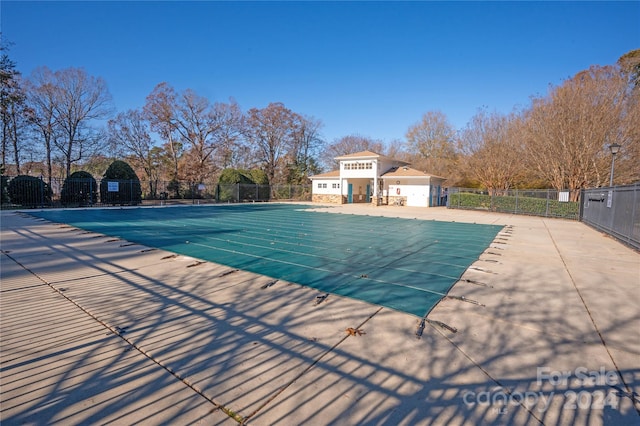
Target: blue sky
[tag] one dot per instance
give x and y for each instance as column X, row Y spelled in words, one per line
column 367, row 68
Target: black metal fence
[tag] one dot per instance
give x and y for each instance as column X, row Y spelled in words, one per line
column 35, row 192
column 614, row 210
column 537, row 202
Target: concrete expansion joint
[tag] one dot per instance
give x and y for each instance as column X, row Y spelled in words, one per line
column 312, row 365
column 481, row 368
column 628, row 388
column 120, row 331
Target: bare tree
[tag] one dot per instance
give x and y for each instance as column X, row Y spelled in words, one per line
column 41, row 99
column 12, row 107
column 397, row 149
column 630, row 65
column 204, row 130
column 129, row 133
column 349, row 145
column 431, row 141
column 627, row 170
column 196, row 125
column 568, row 131
column 159, row 110
column 230, row 125
column 493, row 150
column 79, row 100
column 304, row 153
column 272, row 133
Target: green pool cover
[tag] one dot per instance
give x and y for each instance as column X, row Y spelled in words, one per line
column 403, row 264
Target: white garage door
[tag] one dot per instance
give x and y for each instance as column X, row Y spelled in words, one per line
column 418, row 196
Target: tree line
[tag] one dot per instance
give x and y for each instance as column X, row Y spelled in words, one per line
column 51, row 126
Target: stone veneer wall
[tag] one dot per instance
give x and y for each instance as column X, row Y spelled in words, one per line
column 394, row 200
column 327, row 198
column 389, row 200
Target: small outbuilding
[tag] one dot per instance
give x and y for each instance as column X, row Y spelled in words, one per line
column 368, row 177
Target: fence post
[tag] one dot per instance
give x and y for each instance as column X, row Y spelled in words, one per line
column 516, row 210
column 41, row 192
column 633, row 211
column 546, row 213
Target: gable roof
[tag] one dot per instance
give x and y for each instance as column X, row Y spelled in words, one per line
column 329, row 175
column 367, row 155
column 361, row 154
column 407, row 172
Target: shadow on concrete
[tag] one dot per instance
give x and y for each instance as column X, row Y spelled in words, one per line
column 267, row 354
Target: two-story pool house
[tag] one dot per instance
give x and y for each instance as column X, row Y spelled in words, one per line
column 367, row 177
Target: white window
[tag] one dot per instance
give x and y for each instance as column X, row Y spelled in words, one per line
column 368, row 165
column 335, row 185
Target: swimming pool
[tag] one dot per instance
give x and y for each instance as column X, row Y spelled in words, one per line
column 403, row 264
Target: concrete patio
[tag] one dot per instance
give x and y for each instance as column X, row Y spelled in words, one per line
column 98, row 330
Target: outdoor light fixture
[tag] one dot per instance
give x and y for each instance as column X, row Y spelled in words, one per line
column 614, row 148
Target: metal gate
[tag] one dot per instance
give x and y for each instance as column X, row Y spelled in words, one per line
column 614, row 210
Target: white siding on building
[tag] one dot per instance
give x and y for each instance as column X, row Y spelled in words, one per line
column 326, row 186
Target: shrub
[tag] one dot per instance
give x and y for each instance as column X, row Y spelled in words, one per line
column 465, row 200
column 4, row 183
column 79, row 188
column 174, row 188
column 517, row 205
column 250, row 185
column 120, row 185
column 235, row 176
column 29, row 191
column 257, row 176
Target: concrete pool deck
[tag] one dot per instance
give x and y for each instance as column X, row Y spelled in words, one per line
column 95, row 330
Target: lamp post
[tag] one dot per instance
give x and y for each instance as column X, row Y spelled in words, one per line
column 614, row 148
